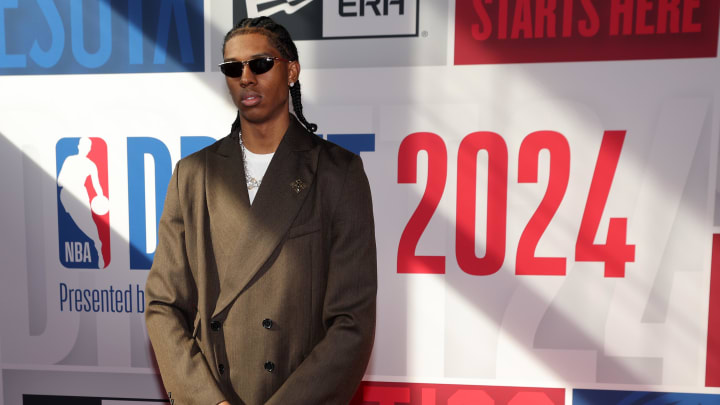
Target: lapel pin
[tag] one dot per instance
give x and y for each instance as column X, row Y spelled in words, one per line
column 297, row 186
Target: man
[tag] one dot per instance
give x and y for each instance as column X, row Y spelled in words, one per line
column 264, row 281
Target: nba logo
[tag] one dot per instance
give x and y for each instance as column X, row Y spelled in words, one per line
column 82, row 203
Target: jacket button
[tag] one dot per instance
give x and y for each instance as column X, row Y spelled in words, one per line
column 221, row 368
column 270, row 366
column 267, row 323
column 215, row 326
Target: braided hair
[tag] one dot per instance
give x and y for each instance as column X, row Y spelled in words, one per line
column 280, row 39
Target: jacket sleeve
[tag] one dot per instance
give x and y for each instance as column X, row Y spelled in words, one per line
column 171, row 307
column 334, row 368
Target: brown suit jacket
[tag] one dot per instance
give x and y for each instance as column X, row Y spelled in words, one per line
column 270, row 303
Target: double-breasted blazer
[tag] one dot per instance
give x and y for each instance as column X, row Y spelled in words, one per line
column 272, row 302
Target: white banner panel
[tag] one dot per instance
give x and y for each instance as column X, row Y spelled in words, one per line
column 544, row 230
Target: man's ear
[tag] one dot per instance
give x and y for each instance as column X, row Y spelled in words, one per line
column 293, row 71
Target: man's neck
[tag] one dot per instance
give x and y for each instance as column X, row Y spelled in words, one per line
column 264, row 137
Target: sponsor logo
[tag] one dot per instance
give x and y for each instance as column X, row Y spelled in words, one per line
column 101, row 36
column 521, row 31
column 83, row 204
column 314, row 19
column 270, row 7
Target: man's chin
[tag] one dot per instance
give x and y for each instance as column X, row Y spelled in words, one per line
column 256, row 116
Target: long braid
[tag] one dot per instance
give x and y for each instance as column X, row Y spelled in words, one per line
column 280, row 39
column 297, row 107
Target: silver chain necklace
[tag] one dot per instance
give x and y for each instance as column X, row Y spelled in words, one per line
column 251, row 181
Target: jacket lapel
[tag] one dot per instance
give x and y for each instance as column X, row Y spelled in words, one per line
column 243, row 236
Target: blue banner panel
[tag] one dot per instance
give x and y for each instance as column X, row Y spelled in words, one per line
column 101, row 36
column 603, row 397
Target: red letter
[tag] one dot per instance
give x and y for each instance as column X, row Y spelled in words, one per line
column 668, row 7
column 589, row 29
column 428, row 396
column 495, row 234
column 407, row 260
column 522, row 20
column 484, row 19
column 545, row 14
column 474, row 397
column 534, row 398
column 556, row 144
column 503, row 19
column 567, row 18
column 620, row 8
column 688, row 8
column 616, row 251
column 643, row 6
column 386, row 395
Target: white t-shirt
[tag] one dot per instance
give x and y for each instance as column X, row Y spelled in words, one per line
column 257, row 165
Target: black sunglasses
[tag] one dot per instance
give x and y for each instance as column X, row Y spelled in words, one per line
column 258, row 66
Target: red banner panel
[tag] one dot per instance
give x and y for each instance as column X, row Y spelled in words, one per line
column 712, row 364
column 527, row 31
column 385, row 393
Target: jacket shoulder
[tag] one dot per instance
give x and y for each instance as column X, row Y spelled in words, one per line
column 196, row 160
column 338, row 170
column 335, row 156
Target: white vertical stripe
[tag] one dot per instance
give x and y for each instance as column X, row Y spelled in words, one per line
column 150, row 217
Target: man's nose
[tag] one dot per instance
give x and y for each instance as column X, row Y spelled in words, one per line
column 247, row 77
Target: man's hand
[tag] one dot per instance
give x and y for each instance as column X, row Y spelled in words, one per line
column 224, row 403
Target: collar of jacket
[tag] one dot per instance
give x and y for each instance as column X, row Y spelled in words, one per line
column 244, row 237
